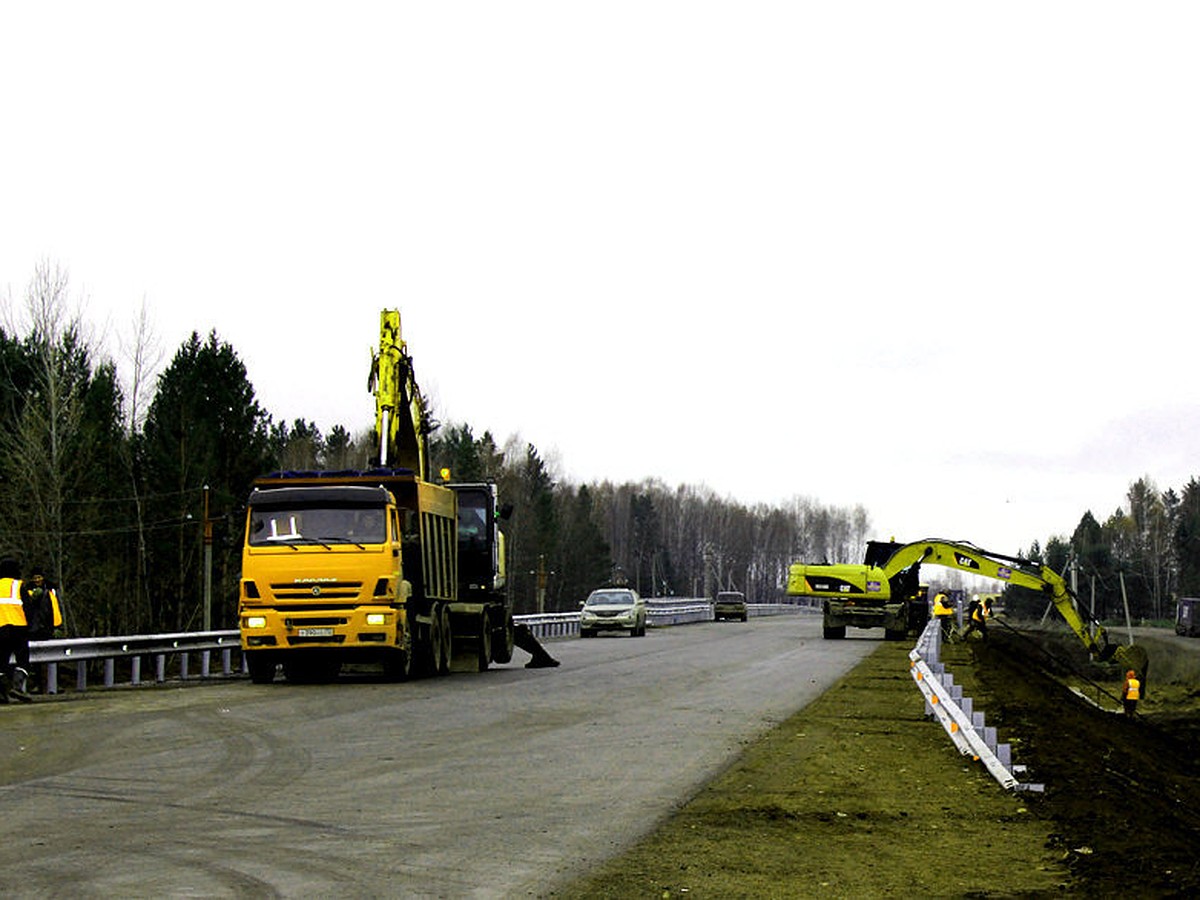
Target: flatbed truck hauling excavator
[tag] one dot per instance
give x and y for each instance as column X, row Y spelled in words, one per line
column 886, row 592
column 381, row 567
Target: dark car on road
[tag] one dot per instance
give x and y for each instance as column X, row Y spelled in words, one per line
column 730, row 605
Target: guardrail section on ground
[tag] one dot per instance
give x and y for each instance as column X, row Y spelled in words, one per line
column 966, row 727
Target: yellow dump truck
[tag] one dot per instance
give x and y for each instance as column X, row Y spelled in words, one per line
column 377, row 566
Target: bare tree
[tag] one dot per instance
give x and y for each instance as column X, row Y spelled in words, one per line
column 143, row 354
column 35, row 453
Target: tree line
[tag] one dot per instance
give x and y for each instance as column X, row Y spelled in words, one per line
column 117, row 487
column 1143, row 556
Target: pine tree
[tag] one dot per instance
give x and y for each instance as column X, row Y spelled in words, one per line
column 204, row 427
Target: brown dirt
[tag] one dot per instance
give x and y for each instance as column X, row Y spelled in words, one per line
column 860, row 794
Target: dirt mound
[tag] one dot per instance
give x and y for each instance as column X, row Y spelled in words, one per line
column 1123, row 794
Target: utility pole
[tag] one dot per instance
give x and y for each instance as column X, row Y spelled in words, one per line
column 543, row 576
column 208, row 545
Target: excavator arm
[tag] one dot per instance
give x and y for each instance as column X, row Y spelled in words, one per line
column 401, row 425
column 1022, row 573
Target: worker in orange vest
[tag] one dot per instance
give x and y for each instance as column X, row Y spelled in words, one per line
column 14, row 632
column 943, row 611
column 1131, row 692
column 977, row 615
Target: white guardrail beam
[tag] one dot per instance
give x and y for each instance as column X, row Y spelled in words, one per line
column 944, row 700
column 176, row 650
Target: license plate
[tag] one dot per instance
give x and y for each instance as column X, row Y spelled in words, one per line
column 315, row 632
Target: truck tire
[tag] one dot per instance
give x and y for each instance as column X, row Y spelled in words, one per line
column 447, row 643
column 898, row 634
column 503, row 642
column 834, row 632
column 434, row 645
column 483, row 652
column 427, row 648
column 261, row 665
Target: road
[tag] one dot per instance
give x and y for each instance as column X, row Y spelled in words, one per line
column 495, row 784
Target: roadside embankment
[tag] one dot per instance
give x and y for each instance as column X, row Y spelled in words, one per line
column 857, row 795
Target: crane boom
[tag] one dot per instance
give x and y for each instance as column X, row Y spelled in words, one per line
column 401, row 424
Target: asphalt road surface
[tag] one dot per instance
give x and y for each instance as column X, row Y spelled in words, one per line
column 496, row 784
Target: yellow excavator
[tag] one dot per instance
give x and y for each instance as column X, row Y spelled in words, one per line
column 885, row 591
column 401, row 425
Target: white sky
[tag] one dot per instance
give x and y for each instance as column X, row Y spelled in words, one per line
column 936, row 258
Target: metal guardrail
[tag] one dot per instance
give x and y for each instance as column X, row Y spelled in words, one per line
column 160, row 648
column 967, row 729
column 171, row 655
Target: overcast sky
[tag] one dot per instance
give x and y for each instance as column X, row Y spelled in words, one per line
column 939, row 259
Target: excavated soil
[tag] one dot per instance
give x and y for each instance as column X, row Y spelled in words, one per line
column 861, row 795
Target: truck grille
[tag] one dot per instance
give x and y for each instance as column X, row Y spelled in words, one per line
column 324, row 590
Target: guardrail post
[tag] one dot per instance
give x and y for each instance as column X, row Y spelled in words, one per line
column 110, row 666
column 160, row 668
column 183, row 666
column 226, row 660
column 51, row 678
column 81, row 675
column 135, row 670
column 204, row 657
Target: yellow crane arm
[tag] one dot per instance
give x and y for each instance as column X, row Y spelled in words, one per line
column 401, row 425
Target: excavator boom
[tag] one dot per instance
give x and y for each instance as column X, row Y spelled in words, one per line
column 401, row 425
column 886, row 563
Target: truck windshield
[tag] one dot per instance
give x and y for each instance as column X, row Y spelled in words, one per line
column 317, row 525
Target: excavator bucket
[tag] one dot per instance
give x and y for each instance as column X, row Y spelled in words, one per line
column 1134, row 657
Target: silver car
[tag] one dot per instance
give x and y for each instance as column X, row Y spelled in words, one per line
column 613, row 609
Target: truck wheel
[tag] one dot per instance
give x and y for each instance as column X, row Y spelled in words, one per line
column 834, row 632
column 447, row 643
column 423, row 643
column 434, row 645
column 483, row 654
column 894, row 635
column 503, row 642
column 261, row 666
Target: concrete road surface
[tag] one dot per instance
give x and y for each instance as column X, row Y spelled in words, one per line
column 494, row 784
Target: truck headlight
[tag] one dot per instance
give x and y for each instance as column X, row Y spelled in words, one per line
column 256, row 621
column 376, row 618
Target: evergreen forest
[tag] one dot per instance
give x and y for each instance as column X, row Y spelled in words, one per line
column 127, row 487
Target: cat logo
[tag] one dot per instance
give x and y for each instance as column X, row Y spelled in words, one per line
column 965, row 562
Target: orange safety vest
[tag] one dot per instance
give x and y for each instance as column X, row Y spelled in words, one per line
column 1133, row 689
column 11, row 610
column 54, row 605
